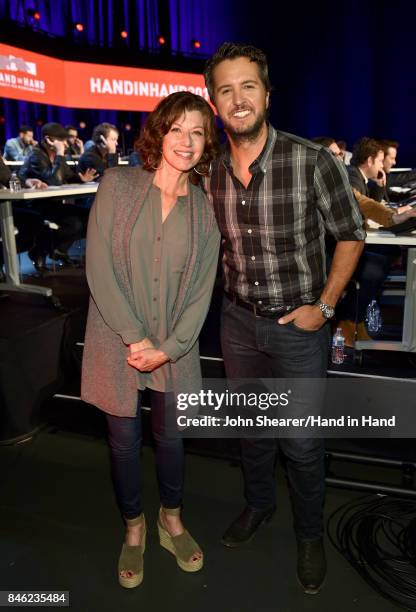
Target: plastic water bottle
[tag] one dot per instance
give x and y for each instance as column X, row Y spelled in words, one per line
column 14, row 183
column 373, row 318
column 338, row 340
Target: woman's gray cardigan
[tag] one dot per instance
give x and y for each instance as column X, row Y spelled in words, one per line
column 108, row 381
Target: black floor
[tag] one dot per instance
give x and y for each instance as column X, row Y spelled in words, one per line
column 60, row 530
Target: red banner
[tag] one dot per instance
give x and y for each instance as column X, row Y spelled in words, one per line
column 38, row 78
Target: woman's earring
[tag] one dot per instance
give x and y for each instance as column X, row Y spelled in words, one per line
column 204, row 173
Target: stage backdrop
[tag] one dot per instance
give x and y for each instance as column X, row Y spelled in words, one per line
column 38, row 78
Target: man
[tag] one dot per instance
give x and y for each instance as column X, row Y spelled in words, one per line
column 75, row 145
column 379, row 189
column 274, row 195
column 17, row 149
column 367, row 163
column 47, row 163
column 345, row 155
column 103, row 154
column 329, row 143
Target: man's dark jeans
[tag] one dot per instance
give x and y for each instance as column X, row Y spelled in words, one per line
column 258, row 347
column 125, row 440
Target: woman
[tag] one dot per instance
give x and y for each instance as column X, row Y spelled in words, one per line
column 152, row 250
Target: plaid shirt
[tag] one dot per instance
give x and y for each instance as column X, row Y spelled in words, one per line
column 274, row 231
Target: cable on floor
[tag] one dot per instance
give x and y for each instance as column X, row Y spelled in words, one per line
column 377, row 536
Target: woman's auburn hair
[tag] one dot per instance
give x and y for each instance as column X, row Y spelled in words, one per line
column 160, row 121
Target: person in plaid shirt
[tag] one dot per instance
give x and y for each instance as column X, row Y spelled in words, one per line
column 275, row 196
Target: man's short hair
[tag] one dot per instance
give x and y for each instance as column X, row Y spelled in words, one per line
column 230, row 51
column 363, row 149
column 25, row 128
column 385, row 145
column 71, row 127
column 54, row 130
column 103, row 129
column 325, row 141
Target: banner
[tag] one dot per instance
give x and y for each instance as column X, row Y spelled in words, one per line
column 29, row 76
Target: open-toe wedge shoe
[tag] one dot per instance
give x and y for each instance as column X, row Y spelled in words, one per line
column 182, row 546
column 131, row 557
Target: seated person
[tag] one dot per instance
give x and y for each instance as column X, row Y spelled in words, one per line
column 17, row 149
column 329, row 143
column 345, row 154
column 75, row 145
column 375, row 261
column 135, row 158
column 89, row 144
column 47, row 163
column 379, row 189
column 103, row 154
column 28, row 223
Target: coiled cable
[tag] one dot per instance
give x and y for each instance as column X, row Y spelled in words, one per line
column 377, row 536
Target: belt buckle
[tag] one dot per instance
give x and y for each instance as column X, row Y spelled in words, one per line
column 276, row 314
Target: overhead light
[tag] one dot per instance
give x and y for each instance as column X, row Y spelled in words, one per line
column 33, row 14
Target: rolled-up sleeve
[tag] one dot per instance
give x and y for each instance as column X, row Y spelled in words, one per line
column 335, row 199
column 190, row 323
column 105, row 290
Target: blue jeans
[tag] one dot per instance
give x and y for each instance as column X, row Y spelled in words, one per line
column 125, row 440
column 259, row 347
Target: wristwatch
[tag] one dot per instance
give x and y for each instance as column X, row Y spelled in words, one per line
column 327, row 310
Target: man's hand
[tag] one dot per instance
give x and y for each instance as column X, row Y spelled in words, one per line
column 33, row 183
column 404, row 216
column 148, row 359
column 139, row 346
column 402, row 209
column 80, row 145
column 89, row 175
column 109, row 145
column 308, row 317
column 58, row 145
column 381, row 182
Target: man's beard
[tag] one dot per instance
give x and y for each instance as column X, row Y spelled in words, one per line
column 248, row 134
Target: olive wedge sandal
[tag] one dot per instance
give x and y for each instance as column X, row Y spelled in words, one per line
column 131, row 557
column 182, row 546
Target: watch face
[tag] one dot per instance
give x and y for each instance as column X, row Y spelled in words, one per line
column 326, row 310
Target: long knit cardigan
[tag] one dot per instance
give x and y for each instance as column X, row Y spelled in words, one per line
column 108, row 381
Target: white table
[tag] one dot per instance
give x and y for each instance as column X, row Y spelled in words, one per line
column 11, row 261
column 408, row 341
